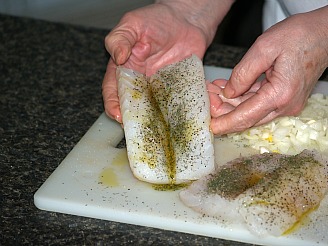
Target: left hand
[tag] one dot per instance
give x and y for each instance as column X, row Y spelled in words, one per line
column 142, row 41
column 293, row 54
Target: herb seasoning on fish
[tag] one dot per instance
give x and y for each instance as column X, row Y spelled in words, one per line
column 277, row 191
column 166, row 122
column 232, row 180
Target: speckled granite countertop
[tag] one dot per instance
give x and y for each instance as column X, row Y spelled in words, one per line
column 50, row 96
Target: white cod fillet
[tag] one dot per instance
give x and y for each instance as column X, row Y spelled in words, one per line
column 166, row 122
column 270, row 193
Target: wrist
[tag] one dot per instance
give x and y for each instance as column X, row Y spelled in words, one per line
column 204, row 14
column 318, row 28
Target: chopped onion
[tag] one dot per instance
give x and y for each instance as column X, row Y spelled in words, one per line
column 289, row 134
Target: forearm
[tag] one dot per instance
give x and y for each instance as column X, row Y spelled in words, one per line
column 313, row 27
column 205, row 14
column 321, row 26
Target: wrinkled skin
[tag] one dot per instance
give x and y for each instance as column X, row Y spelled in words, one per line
column 157, row 35
column 292, row 54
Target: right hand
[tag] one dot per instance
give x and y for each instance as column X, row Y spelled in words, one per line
column 292, row 54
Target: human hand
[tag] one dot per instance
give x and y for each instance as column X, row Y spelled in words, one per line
column 157, row 35
column 293, row 54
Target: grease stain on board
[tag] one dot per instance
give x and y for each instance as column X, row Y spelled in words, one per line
column 108, row 176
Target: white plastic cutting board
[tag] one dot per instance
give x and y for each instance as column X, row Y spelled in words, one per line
column 95, row 180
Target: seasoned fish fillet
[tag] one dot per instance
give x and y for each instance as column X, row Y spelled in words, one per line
column 166, row 122
column 270, row 193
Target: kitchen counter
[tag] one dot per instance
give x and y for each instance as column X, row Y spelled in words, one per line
column 50, row 96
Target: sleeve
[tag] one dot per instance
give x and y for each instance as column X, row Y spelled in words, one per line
column 292, row 7
column 277, row 10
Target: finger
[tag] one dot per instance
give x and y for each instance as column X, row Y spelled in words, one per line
column 119, row 43
column 256, row 61
column 220, row 82
column 217, row 108
column 216, row 95
column 213, row 88
column 257, row 109
column 110, row 93
column 219, row 104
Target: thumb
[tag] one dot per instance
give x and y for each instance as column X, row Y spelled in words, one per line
column 247, row 71
column 119, row 43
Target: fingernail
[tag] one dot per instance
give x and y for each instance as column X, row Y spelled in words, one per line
column 118, row 118
column 228, row 94
column 118, row 56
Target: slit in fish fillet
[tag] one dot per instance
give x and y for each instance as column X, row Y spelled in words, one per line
column 166, row 120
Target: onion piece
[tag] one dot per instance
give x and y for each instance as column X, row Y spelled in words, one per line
column 290, row 134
